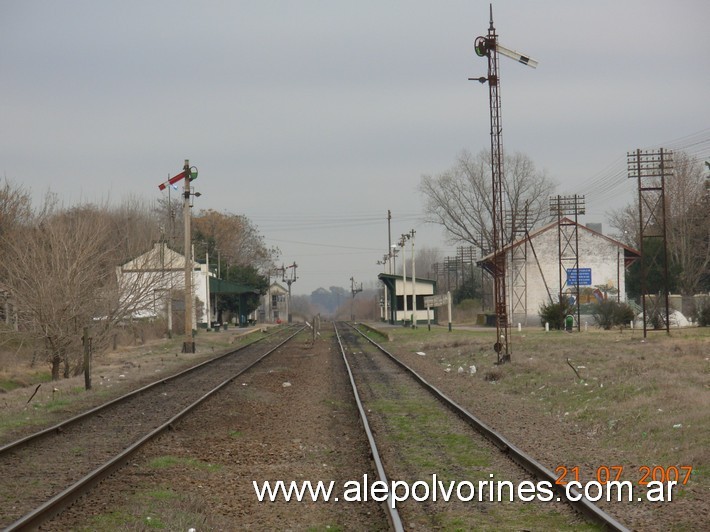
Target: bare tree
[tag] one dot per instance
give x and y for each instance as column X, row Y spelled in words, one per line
column 626, row 222
column 688, row 223
column 15, row 210
column 425, row 259
column 460, row 199
column 15, row 206
column 60, row 270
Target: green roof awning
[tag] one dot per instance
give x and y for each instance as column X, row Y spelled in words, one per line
column 221, row 286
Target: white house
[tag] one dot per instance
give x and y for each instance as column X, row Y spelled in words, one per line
column 151, row 279
column 533, row 268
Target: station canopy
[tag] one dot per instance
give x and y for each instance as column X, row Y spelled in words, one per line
column 222, row 286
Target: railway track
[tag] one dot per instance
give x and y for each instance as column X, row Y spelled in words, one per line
column 44, row 472
column 421, row 420
column 419, row 431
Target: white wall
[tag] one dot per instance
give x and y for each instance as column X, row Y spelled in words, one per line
column 423, row 289
column 602, row 255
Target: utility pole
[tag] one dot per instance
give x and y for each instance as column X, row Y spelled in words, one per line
column 657, row 166
column 568, row 243
column 385, row 295
column 414, row 284
column 171, row 239
column 518, row 264
column 389, row 236
column 402, row 243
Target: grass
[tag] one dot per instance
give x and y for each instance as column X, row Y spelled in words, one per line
column 427, row 442
column 19, row 379
column 153, row 509
column 426, row 438
column 159, row 507
column 12, row 380
column 646, row 398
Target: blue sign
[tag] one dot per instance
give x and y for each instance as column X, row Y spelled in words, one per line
column 581, row 277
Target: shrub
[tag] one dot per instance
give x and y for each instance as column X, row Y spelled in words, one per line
column 624, row 314
column 609, row 313
column 704, row 316
column 555, row 313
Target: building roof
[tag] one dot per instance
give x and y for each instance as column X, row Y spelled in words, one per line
column 221, row 286
column 279, row 288
column 630, row 254
column 389, row 276
column 159, row 258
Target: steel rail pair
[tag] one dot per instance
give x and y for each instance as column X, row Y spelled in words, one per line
column 527, row 462
column 59, row 502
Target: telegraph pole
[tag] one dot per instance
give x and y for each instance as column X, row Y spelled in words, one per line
column 188, row 345
column 402, row 243
column 414, row 284
column 655, row 166
column 389, row 236
column 568, row 243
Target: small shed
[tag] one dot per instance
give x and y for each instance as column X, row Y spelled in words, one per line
column 393, row 302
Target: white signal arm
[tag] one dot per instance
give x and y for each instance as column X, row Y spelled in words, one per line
column 517, row 56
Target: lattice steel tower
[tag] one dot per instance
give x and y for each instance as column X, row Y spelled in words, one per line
column 568, row 243
column 655, row 166
column 519, row 226
column 489, row 47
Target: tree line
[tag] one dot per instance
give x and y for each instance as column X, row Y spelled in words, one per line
column 58, row 268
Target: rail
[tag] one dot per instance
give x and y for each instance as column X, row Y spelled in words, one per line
column 527, row 462
column 59, row 502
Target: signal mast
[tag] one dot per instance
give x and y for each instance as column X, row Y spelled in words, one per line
column 489, row 47
column 289, row 280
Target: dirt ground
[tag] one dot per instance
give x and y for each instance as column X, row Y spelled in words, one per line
column 41, row 402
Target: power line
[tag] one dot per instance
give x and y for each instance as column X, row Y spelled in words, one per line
column 607, row 183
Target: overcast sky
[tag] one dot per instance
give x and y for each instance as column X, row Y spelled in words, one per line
column 314, row 118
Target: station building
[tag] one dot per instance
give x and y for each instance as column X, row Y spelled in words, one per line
column 155, row 281
column 534, row 276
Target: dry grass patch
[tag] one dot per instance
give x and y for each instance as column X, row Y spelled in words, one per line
column 114, row 373
column 645, row 400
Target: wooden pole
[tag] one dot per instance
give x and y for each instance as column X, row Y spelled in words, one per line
column 87, row 359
